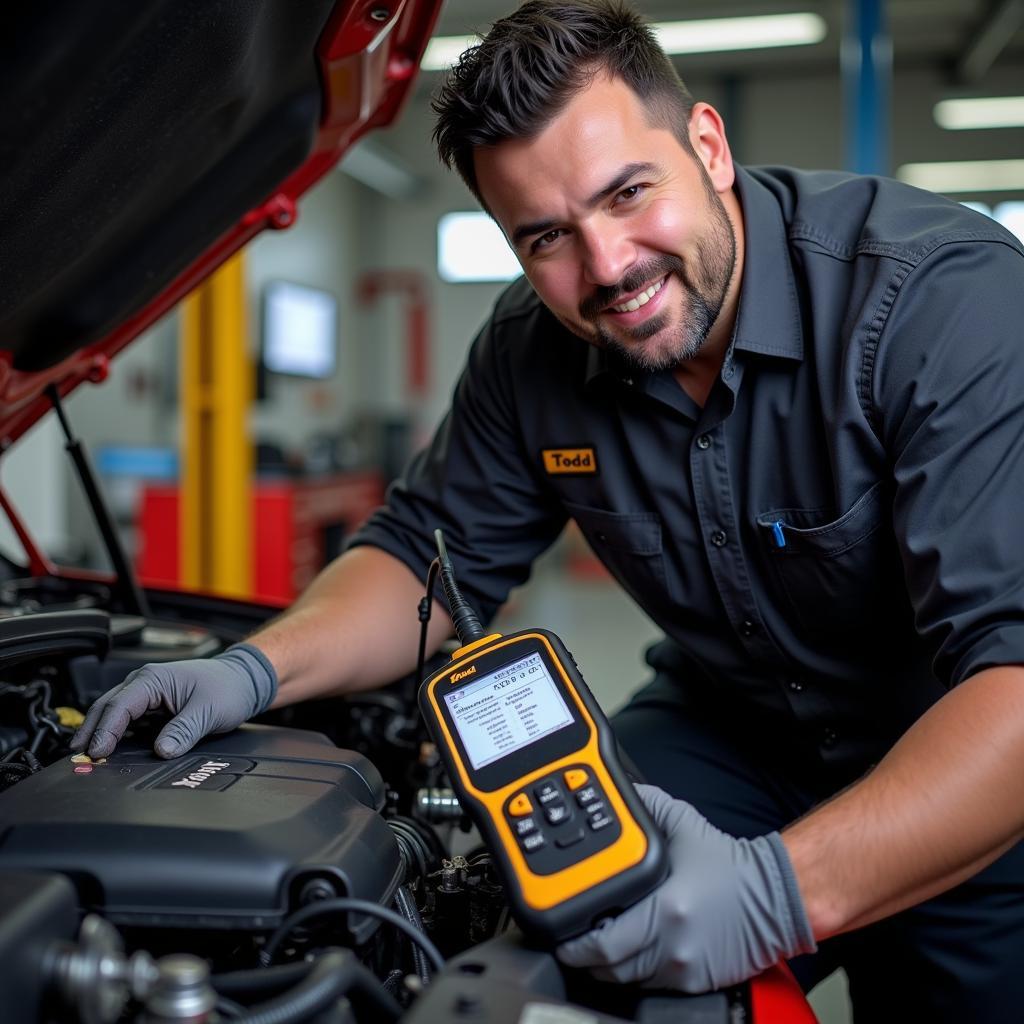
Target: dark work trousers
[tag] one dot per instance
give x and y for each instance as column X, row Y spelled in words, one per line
column 955, row 959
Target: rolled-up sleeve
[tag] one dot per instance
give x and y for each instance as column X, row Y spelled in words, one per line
column 948, row 390
column 476, row 483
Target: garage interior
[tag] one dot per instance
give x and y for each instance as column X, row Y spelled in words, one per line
column 242, row 476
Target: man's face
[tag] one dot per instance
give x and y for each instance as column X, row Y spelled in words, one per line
column 618, row 227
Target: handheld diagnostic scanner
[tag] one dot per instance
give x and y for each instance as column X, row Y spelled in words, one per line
column 533, row 761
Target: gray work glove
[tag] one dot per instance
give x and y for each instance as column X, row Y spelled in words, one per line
column 205, row 696
column 729, row 909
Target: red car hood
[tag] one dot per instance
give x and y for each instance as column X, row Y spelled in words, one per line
column 144, row 143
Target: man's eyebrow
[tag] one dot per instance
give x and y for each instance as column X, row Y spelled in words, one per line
column 536, row 227
column 619, row 180
column 540, row 227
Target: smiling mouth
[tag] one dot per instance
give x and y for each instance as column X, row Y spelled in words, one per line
column 640, row 300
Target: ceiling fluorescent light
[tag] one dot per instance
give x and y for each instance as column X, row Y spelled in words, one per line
column 753, row 33
column 980, row 112
column 443, row 51
column 965, row 175
column 704, row 36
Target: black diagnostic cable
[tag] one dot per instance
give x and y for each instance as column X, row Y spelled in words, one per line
column 467, row 624
column 354, row 906
column 426, row 602
column 465, row 620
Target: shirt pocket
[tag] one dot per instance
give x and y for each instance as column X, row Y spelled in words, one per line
column 629, row 545
column 836, row 576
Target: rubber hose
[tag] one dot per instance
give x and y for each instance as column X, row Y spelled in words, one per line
column 408, row 909
column 334, row 975
column 261, row 979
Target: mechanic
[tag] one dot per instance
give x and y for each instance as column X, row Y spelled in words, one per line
column 787, row 411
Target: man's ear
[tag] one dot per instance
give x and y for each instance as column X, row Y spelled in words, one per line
column 707, row 136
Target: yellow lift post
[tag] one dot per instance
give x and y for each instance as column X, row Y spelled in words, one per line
column 215, row 512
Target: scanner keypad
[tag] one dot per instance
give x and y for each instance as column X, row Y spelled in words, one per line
column 560, row 819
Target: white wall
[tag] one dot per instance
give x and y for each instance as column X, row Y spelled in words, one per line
column 321, row 250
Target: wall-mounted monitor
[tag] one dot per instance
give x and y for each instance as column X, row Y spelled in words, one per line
column 300, row 330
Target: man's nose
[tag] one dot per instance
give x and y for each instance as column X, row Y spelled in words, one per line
column 607, row 255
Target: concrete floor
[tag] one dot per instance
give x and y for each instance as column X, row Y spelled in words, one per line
column 607, row 634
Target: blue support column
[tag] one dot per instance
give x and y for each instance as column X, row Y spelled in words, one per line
column 866, row 60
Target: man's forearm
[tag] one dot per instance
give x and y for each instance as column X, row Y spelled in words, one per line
column 945, row 802
column 354, row 628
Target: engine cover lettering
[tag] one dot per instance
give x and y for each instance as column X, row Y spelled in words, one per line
column 195, row 779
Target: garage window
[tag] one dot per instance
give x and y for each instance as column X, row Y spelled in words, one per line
column 471, row 247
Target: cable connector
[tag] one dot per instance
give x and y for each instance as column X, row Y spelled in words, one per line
column 465, row 620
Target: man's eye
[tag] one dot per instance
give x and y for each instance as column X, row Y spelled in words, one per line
column 630, row 193
column 546, row 239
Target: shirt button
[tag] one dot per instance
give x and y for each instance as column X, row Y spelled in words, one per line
column 718, row 538
column 704, row 442
column 829, row 738
column 795, row 685
column 747, row 628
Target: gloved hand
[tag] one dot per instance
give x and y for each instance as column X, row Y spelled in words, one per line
column 205, row 696
column 729, row 909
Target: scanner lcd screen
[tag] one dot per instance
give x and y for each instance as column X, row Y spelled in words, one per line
column 507, row 709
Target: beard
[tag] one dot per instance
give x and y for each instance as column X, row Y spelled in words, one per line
column 704, row 287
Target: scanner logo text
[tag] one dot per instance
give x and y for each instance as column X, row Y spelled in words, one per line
column 456, row 676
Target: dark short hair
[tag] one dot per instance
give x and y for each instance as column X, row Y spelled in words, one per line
column 531, row 63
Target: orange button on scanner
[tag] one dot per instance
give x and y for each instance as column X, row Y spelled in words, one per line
column 520, row 805
column 575, row 777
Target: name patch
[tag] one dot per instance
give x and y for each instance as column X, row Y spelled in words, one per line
column 569, row 460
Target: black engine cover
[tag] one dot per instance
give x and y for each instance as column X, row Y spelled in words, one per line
column 224, row 837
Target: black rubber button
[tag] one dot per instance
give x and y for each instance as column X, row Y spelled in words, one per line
column 600, row 821
column 548, row 792
column 569, row 838
column 524, row 826
column 585, row 796
column 532, row 842
column 556, row 813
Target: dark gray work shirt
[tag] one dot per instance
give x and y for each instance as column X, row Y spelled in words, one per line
column 836, row 537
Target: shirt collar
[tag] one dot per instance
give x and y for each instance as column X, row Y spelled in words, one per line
column 768, row 320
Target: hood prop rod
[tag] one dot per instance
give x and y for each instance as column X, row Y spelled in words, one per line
column 128, row 592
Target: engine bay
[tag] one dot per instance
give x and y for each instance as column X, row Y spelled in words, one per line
column 264, row 868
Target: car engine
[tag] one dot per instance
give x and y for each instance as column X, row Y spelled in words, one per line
column 314, row 866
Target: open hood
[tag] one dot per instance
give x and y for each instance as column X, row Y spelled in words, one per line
column 144, row 143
